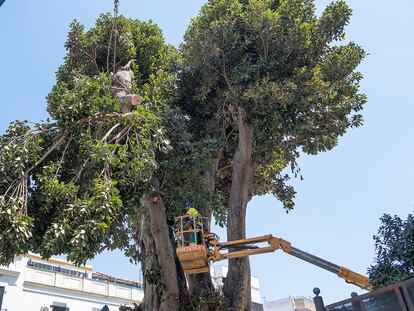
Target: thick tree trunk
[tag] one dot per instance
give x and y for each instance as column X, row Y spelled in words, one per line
column 237, row 284
column 158, row 243
column 155, row 240
column 151, row 300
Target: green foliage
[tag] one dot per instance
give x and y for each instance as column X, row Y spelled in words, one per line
column 19, row 148
column 181, row 171
column 394, row 245
column 142, row 41
column 152, row 274
column 81, row 225
column 81, row 97
column 281, row 64
column 212, row 298
column 15, row 228
column 73, row 186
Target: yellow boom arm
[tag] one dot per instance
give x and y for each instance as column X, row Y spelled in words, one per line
column 247, row 247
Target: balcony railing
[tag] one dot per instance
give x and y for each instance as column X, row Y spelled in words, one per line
column 89, row 285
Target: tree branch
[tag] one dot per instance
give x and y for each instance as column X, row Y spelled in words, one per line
column 59, row 141
column 47, row 153
column 63, row 155
column 109, row 132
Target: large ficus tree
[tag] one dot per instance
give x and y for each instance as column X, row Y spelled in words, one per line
column 217, row 122
column 269, row 80
column 394, row 245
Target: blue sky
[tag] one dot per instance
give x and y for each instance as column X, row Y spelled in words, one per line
column 344, row 192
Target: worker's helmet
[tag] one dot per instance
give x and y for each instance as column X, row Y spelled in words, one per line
column 192, row 211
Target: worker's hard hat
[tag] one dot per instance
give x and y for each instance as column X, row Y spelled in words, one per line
column 192, row 211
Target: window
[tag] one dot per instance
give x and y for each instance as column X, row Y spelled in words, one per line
column 258, row 307
column 43, row 266
column 59, row 306
column 1, row 295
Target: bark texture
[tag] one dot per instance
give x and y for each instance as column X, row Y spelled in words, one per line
column 151, row 300
column 237, row 284
column 158, row 242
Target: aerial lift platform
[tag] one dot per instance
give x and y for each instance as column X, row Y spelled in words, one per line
column 197, row 247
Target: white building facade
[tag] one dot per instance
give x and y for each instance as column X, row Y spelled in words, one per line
column 33, row 284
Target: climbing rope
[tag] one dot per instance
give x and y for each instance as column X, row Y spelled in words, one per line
column 113, row 35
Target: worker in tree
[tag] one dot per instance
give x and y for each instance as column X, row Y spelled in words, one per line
column 193, row 225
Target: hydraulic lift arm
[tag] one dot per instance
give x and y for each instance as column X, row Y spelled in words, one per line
column 248, row 247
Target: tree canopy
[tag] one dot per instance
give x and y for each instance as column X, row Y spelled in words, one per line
column 279, row 62
column 394, row 245
column 270, row 80
column 219, row 120
column 71, row 184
